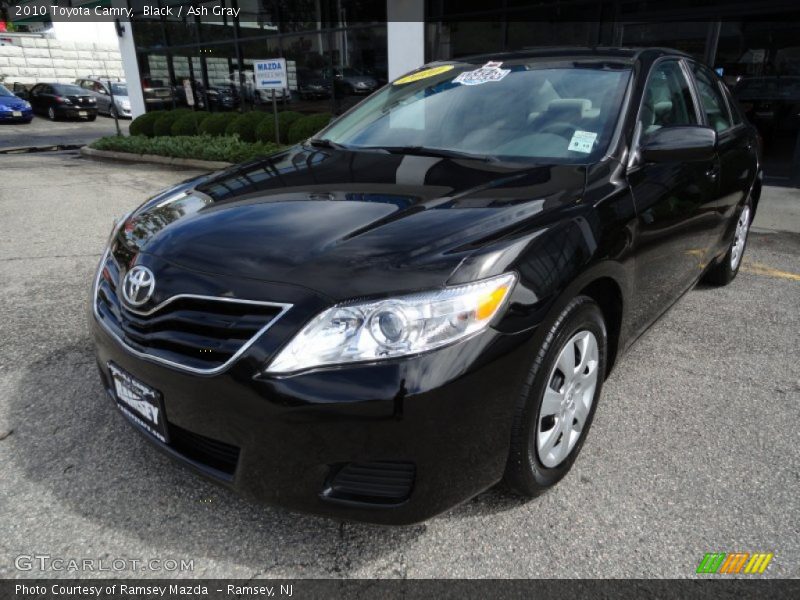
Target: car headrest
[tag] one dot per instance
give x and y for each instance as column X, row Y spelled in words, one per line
column 572, row 108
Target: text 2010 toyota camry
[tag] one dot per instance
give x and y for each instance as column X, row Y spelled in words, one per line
column 424, row 299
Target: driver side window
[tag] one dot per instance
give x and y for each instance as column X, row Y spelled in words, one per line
column 667, row 100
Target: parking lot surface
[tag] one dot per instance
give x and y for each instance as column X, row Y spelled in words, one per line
column 694, row 447
column 44, row 132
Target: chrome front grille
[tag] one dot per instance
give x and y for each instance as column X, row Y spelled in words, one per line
column 201, row 334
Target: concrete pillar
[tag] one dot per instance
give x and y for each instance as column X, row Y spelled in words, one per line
column 130, row 65
column 405, row 35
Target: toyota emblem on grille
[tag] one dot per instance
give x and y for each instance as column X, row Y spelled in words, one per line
column 138, row 285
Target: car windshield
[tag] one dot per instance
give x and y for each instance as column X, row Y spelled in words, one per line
column 4, row 91
column 69, row 90
column 119, row 89
column 559, row 111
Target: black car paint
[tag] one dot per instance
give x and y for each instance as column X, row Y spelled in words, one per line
column 313, row 227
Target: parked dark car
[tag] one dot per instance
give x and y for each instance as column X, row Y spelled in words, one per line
column 312, row 85
column 426, row 297
column 348, row 81
column 62, row 101
column 222, row 97
column 14, row 109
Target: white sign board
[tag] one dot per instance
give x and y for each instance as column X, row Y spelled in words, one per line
column 187, row 86
column 270, row 74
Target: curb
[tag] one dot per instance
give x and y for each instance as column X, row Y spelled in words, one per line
column 169, row 161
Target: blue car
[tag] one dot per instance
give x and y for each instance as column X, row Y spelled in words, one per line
column 13, row 109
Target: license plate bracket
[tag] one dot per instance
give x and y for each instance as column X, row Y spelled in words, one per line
column 142, row 404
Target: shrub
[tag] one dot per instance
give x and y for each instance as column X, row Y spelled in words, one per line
column 245, row 125
column 188, row 124
column 143, row 124
column 216, row 123
column 266, row 129
column 202, row 147
column 306, row 127
column 163, row 124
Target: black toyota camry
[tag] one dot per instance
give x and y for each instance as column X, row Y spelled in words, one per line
column 425, row 298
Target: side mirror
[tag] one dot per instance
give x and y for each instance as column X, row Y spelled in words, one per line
column 679, row 144
column 23, row 95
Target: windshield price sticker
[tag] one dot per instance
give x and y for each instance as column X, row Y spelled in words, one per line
column 424, row 74
column 582, row 141
column 491, row 71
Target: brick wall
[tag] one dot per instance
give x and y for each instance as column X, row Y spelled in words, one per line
column 29, row 59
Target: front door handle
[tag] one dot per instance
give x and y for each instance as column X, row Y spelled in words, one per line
column 712, row 174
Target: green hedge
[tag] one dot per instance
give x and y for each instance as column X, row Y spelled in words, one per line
column 306, row 127
column 163, row 124
column 245, row 125
column 216, row 123
column 266, row 129
column 202, row 147
column 188, row 124
column 143, row 124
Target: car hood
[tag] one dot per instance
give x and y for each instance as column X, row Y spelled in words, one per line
column 347, row 223
column 13, row 102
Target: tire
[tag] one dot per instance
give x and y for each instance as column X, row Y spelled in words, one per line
column 531, row 470
column 725, row 270
column 51, row 114
column 112, row 112
column 92, row 118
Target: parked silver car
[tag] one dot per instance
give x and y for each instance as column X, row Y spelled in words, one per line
column 103, row 89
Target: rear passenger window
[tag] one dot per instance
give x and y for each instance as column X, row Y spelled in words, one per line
column 711, row 99
column 667, row 99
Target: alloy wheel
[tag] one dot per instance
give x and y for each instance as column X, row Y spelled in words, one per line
column 740, row 237
column 567, row 399
column 51, row 113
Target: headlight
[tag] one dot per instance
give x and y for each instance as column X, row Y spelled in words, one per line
column 393, row 327
column 27, row 104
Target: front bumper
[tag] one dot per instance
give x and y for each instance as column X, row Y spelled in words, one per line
column 8, row 117
column 444, row 417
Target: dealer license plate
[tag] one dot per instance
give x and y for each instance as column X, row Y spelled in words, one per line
column 139, row 402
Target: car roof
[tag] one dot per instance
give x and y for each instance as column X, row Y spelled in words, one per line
column 618, row 54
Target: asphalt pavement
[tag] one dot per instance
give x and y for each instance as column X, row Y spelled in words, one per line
column 44, row 132
column 694, row 448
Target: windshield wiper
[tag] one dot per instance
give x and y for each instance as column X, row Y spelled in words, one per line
column 326, row 143
column 440, row 152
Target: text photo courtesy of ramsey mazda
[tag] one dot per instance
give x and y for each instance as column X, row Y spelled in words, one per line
column 424, row 299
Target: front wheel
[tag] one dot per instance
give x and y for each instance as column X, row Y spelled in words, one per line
column 723, row 272
column 51, row 113
column 557, row 402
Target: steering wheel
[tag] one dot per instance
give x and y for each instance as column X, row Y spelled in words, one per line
column 560, row 128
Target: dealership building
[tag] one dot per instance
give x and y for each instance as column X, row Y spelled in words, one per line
column 338, row 51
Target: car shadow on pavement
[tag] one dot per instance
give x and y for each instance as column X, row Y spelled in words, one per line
column 70, row 441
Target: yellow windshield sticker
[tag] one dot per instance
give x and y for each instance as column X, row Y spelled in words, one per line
column 424, row 74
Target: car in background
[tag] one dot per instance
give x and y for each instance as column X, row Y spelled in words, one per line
column 312, row 85
column 770, row 103
column 157, row 96
column 222, row 97
column 14, row 109
column 62, row 100
column 348, row 81
column 104, row 90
